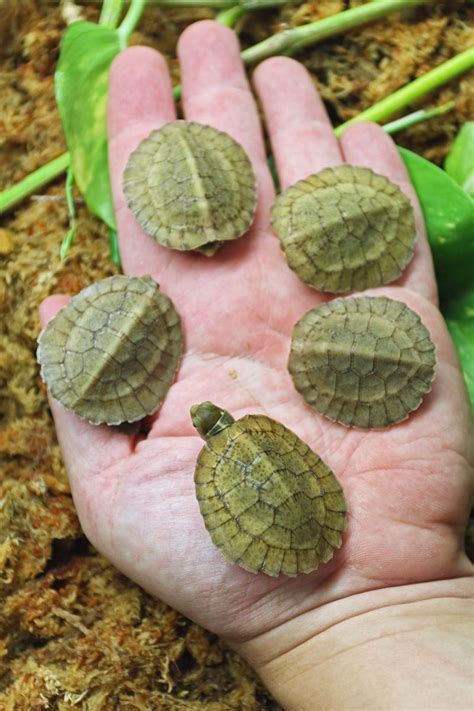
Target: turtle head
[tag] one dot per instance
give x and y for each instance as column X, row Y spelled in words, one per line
column 209, row 419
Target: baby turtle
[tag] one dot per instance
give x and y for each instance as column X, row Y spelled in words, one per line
column 365, row 362
column 345, row 229
column 111, row 354
column 269, row 502
column 191, row 187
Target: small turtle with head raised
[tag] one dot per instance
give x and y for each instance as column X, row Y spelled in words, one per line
column 269, row 502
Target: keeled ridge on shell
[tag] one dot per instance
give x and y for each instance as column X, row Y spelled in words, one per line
column 111, row 354
column 191, row 187
column 345, row 229
column 269, row 502
column 365, row 362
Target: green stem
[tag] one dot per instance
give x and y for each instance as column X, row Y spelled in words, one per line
column 221, row 4
column 290, row 41
column 111, row 12
column 71, row 207
column 229, row 17
column 69, row 238
column 417, row 117
column 413, row 91
column 33, row 182
column 131, row 20
column 211, row 4
column 114, row 247
column 262, row 4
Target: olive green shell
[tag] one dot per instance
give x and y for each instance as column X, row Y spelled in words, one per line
column 111, row 354
column 365, row 362
column 269, row 502
column 345, row 229
column 191, row 187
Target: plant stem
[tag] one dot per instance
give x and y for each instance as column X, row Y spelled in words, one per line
column 229, row 17
column 33, row 182
column 262, row 4
column 430, row 81
column 220, row 4
column 71, row 208
column 211, row 4
column 290, row 41
column 417, row 117
column 114, row 247
column 131, row 20
column 110, row 13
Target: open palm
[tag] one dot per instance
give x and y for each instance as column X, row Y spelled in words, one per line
column 407, row 487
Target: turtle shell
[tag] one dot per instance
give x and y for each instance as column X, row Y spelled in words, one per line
column 365, row 361
column 345, row 229
column 269, row 502
column 191, row 187
column 111, row 354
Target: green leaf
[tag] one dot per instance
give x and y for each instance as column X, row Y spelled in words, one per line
column 81, row 92
column 459, row 163
column 459, row 315
column 449, row 218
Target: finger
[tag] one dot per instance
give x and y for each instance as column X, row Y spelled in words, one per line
column 86, row 448
column 216, row 92
column 300, row 132
column 366, row 144
column 140, row 100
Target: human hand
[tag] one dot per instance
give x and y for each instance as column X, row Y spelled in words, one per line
column 407, row 488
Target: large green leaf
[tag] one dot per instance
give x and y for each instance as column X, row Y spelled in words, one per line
column 449, row 217
column 81, row 92
column 459, row 315
column 459, row 163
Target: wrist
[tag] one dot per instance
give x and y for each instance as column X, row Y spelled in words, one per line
column 408, row 647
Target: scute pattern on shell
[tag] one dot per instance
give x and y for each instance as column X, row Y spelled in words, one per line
column 345, row 229
column 365, row 362
column 111, row 354
column 269, row 502
column 191, row 187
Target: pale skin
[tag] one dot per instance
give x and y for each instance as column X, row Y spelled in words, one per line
column 385, row 624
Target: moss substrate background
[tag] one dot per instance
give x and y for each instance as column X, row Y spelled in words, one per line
column 75, row 633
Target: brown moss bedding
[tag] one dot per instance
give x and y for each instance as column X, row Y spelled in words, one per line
column 75, row 633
